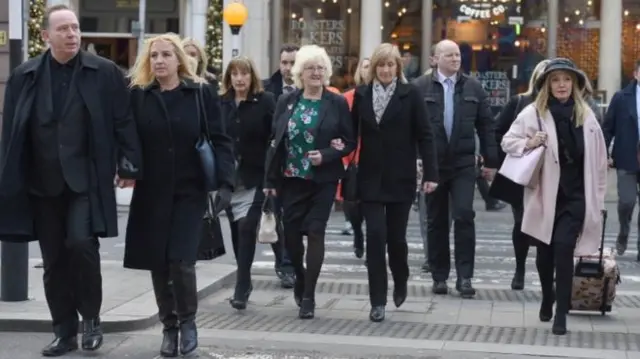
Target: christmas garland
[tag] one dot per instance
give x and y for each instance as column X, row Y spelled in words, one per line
column 36, row 17
column 214, row 35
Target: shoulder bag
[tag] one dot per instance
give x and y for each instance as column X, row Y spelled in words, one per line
column 204, row 146
column 524, row 169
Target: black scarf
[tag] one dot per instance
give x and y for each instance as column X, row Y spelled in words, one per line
column 569, row 137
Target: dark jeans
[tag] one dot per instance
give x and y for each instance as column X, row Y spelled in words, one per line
column 71, row 259
column 628, row 184
column 454, row 193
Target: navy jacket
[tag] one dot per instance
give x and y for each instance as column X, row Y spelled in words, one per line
column 621, row 125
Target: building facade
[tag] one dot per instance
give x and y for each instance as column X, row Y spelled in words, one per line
column 501, row 40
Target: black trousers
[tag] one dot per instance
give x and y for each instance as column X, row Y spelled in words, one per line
column 71, row 259
column 386, row 233
column 455, row 191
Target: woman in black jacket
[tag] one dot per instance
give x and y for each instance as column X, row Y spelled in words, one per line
column 168, row 204
column 390, row 116
column 247, row 111
column 514, row 192
column 304, row 169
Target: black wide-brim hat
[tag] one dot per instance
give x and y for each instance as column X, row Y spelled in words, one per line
column 561, row 63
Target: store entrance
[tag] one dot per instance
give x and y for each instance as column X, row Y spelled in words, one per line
column 120, row 50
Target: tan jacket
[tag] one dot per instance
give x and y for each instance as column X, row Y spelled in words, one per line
column 540, row 202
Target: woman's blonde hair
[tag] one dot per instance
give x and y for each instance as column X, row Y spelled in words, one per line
column 242, row 64
column 386, row 52
column 361, row 76
column 537, row 71
column 580, row 108
column 202, row 60
column 141, row 74
column 307, row 54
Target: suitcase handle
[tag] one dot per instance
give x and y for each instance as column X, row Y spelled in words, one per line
column 587, row 269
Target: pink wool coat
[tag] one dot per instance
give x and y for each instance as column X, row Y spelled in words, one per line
column 540, row 202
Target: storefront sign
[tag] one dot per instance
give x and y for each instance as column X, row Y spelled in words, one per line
column 497, row 85
column 482, row 11
column 329, row 34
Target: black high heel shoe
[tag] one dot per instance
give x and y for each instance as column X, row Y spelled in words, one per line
column 241, row 303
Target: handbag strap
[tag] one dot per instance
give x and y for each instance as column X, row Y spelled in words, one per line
column 268, row 205
column 209, row 212
column 202, row 113
column 539, row 120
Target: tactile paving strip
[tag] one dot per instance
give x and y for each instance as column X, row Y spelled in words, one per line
column 419, row 331
column 498, row 295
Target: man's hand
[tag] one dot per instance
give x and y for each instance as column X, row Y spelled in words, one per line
column 337, row 144
column 269, row 192
column 429, row 187
column 315, row 157
column 488, row 173
column 124, row 183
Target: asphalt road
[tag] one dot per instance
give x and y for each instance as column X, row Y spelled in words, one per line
column 495, row 262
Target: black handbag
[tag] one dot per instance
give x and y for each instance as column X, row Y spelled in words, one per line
column 204, row 146
column 211, row 242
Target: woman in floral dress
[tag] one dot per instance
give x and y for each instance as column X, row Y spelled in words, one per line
column 304, row 169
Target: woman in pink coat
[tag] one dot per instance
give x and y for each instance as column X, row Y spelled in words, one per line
column 563, row 212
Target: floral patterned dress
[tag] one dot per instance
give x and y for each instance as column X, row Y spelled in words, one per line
column 300, row 138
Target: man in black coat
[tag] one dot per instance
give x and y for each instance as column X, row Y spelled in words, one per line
column 457, row 107
column 66, row 126
column 281, row 82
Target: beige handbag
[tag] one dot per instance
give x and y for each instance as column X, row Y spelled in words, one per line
column 268, row 226
column 525, row 169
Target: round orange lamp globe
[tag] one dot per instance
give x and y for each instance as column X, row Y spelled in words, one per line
column 235, row 14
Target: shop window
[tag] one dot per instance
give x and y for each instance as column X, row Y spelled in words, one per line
column 579, row 34
column 332, row 24
column 630, row 39
column 500, row 41
column 115, row 16
column 402, row 26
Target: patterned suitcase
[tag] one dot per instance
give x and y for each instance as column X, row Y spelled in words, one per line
column 595, row 279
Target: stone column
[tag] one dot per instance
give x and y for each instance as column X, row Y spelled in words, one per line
column 427, row 34
column 370, row 26
column 610, row 62
column 553, row 15
column 198, row 17
column 276, row 35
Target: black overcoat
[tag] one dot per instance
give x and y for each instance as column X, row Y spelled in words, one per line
column 151, row 209
column 389, row 149
column 112, row 137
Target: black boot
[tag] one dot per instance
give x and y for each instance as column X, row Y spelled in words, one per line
column 92, row 338
column 183, row 276
column 166, row 312
column 545, row 264
column 60, row 346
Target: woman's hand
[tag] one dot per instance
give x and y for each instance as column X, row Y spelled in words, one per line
column 429, row 187
column 269, row 192
column 337, row 144
column 315, row 157
column 124, row 183
column 538, row 139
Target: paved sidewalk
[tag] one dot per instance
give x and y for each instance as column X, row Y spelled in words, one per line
column 497, row 321
column 128, row 299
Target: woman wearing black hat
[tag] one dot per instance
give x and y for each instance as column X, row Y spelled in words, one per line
column 563, row 212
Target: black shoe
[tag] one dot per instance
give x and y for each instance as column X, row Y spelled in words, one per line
column 188, row 337
column 559, row 324
column 91, row 334
column 169, row 346
column 239, row 301
column 60, row 347
column 517, row 283
column 621, row 244
column 546, row 308
column 399, row 294
column 377, row 313
column 287, row 280
column 425, row 267
column 494, row 207
column 307, row 309
column 466, row 290
column 358, row 251
column 440, row 287
column 298, row 291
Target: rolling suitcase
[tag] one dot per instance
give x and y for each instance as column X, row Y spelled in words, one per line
column 595, row 279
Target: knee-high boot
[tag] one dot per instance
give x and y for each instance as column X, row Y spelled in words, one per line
column 295, row 248
column 564, row 284
column 166, row 312
column 183, row 277
column 545, row 266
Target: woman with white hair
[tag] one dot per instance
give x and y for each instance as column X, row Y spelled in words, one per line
column 304, row 169
column 563, row 212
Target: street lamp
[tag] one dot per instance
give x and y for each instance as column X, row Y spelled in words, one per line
column 235, row 14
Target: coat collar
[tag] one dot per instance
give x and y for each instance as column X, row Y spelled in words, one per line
column 230, row 96
column 393, row 107
column 86, row 59
column 184, row 84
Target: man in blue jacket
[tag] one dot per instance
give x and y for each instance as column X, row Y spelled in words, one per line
column 623, row 124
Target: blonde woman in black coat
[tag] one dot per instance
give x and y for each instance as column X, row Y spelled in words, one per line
column 390, row 116
column 168, row 204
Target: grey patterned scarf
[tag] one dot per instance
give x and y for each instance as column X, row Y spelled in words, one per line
column 382, row 96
